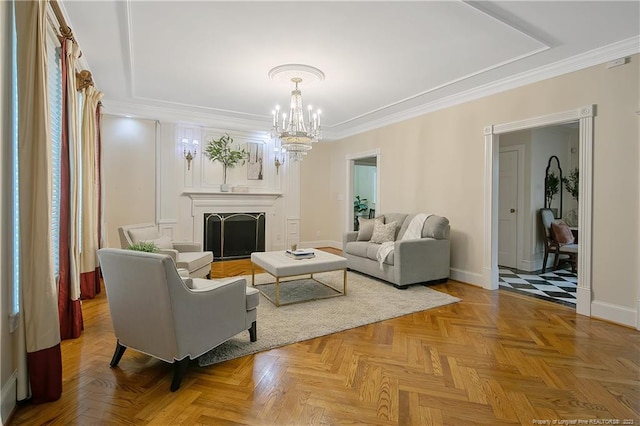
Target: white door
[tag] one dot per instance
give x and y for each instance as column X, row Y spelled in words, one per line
column 507, row 208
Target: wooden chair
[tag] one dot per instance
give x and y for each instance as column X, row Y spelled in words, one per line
column 552, row 246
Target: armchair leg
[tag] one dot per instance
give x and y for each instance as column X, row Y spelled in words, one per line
column 253, row 332
column 117, row 354
column 544, row 261
column 209, row 276
column 179, row 368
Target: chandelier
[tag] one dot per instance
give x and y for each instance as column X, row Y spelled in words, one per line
column 294, row 133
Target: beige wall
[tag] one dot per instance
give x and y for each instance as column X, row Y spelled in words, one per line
column 435, row 164
column 129, row 173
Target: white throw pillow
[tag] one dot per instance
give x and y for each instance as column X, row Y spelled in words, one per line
column 163, row 242
column 383, row 233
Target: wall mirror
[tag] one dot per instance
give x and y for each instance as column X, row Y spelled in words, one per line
column 553, row 187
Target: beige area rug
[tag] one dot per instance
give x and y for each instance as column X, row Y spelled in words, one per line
column 368, row 300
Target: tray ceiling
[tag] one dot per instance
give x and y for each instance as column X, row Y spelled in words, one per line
column 209, row 60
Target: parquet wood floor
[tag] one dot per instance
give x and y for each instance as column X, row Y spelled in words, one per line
column 495, row 358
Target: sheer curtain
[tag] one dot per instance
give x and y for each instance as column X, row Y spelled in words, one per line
column 89, row 270
column 39, row 296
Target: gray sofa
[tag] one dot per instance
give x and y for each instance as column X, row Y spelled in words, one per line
column 425, row 259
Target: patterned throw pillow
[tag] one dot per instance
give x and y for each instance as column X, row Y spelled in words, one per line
column 383, row 233
column 365, row 230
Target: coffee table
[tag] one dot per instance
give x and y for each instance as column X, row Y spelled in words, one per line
column 279, row 265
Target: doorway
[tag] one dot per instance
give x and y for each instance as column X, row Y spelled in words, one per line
column 585, row 117
column 363, row 187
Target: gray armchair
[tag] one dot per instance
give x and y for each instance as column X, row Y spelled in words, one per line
column 186, row 255
column 175, row 319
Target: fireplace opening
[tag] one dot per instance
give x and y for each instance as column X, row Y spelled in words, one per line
column 234, row 235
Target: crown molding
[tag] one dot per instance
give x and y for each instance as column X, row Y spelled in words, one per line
column 591, row 58
column 204, row 117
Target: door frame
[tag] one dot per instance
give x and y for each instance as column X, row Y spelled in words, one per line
column 350, row 165
column 520, row 202
column 585, row 116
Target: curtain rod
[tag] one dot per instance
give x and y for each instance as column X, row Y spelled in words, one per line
column 84, row 77
column 65, row 30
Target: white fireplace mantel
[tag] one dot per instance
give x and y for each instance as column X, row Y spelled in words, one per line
column 207, row 201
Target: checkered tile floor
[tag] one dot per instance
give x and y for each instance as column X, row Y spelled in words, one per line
column 556, row 286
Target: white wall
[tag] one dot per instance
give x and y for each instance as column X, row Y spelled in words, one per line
column 146, row 179
column 129, row 173
column 441, row 168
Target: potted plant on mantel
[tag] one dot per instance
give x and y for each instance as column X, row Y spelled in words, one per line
column 222, row 151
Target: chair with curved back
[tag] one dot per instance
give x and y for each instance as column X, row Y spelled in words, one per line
column 175, row 319
column 547, row 219
column 185, row 254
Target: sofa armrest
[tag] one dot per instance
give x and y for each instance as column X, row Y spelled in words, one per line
column 187, row 246
column 423, row 259
column 349, row 237
column 170, row 252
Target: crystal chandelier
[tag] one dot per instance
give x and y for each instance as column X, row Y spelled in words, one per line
column 296, row 136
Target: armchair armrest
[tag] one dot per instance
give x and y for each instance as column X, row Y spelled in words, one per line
column 170, row 252
column 187, row 246
column 217, row 310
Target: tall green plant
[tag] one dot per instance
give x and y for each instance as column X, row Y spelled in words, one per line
column 221, row 150
column 572, row 182
column 552, row 187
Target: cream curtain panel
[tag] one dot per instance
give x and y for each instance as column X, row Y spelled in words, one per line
column 90, row 189
column 73, row 53
column 39, row 296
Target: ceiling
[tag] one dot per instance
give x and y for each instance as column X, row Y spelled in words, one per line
column 207, row 62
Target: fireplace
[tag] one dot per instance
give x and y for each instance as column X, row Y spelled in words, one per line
column 234, row 235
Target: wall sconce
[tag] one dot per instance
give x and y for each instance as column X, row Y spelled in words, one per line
column 189, row 150
column 279, row 157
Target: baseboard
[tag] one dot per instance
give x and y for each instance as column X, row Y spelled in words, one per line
column 614, row 313
column 321, row 243
column 530, row 265
column 466, row 277
column 9, row 397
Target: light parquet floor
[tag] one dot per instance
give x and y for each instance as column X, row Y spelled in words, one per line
column 495, row 358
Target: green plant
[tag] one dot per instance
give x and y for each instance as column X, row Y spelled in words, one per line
column 359, row 205
column 552, row 185
column 571, row 182
column 145, row 246
column 222, row 151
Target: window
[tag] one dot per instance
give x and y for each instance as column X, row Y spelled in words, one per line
column 15, row 300
column 54, row 82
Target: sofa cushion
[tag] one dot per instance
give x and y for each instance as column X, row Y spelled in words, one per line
column 365, row 230
column 194, row 260
column 436, row 227
column 143, row 234
column 383, row 233
column 357, row 248
column 372, row 253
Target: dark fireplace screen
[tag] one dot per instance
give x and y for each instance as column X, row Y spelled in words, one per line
column 234, row 235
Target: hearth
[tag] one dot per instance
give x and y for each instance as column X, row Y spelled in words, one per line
column 234, row 235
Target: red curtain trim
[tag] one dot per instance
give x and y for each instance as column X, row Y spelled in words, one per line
column 45, row 374
column 71, row 321
column 90, row 284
